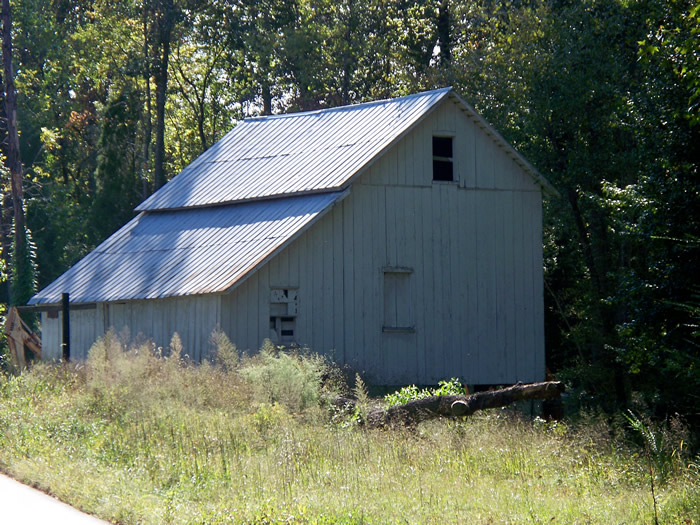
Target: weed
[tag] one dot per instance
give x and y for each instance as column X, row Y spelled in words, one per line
column 650, row 447
column 361, row 398
column 225, row 352
column 412, row 392
column 141, row 435
column 292, row 379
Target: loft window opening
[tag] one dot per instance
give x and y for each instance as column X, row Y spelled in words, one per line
column 283, row 312
column 443, row 165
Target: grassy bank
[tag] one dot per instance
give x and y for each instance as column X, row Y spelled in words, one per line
column 138, row 438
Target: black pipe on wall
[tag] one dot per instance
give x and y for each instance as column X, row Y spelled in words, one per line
column 66, row 327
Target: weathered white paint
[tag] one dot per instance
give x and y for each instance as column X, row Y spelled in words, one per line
column 475, row 253
column 193, row 318
column 50, row 338
column 473, row 247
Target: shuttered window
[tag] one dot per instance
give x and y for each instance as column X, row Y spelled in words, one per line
column 398, row 307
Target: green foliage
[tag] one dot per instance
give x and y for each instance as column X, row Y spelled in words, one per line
column 125, row 437
column 117, row 178
column 410, row 393
column 666, row 444
column 292, row 379
column 22, row 270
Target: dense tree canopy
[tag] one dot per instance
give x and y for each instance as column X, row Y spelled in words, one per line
column 603, row 97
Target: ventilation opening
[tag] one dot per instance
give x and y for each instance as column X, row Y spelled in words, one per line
column 283, row 311
column 442, row 159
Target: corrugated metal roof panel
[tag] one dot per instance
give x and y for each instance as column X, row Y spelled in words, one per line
column 286, row 154
column 186, row 252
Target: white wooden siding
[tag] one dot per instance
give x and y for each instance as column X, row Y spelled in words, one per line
column 474, row 247
column 475, row 250
column 193, row 318
column 85, row 326
column 50, row 338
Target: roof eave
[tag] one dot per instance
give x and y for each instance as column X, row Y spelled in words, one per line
column 428, row 111
column 276, row 196
column 503, row 143
column 264, row 260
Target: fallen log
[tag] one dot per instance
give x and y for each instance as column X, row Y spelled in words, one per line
column 456, row 406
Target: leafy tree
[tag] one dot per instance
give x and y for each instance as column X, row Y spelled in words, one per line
column 22, row 276
column 117, row 189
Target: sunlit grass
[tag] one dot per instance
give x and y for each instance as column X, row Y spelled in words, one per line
column 137, row 438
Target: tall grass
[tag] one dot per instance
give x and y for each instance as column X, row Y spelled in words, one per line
column 140, row 435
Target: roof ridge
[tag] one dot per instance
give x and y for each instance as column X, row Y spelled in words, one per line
column 349, row 107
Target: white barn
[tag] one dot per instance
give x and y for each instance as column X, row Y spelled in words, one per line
column 403, row 237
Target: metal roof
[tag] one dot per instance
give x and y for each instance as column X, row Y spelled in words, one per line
column 186, row 252
column 221, row 217
column 296, row 153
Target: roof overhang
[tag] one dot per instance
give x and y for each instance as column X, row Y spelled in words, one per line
column 480, row 121
column 53, row 307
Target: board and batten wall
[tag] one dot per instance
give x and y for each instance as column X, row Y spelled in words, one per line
column 472, row 250
column 194, row 319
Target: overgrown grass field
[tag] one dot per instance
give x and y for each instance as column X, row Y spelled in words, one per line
column 135, row 437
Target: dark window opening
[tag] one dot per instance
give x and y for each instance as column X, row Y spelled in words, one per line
column 282, row 329
column 442, row 147
column 442, row 159
column 283, row 311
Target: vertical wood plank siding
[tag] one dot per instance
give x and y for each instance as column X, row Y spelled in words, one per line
column 475, row 250
column 193, row 318
column 473, row 247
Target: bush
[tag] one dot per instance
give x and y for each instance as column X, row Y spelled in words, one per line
column 293, row 379
column 225, row 352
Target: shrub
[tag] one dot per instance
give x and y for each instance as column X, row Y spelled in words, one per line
column 225, row 352
column 293, row 379
column 140, row 376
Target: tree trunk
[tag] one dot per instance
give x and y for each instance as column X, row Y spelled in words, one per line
column 444, row 33
column 14, row 163
column 6, row 241
column 147, row 118
column 596, row 278
column 165, row 22
column 456, row 406
column 200, row 119
column 267, row 98
column 6, row 211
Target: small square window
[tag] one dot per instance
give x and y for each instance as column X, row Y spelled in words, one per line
column 442, row 159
